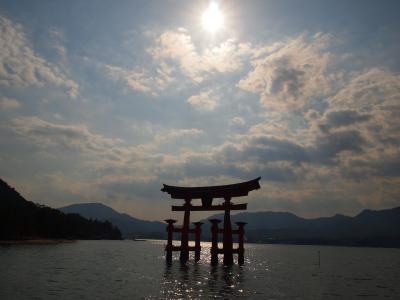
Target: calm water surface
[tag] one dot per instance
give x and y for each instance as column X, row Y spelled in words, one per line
column 137, row 270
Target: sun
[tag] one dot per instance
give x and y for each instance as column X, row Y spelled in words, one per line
column 212, row 19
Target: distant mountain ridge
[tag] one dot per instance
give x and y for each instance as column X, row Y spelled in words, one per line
column 130, row 227
column 22, row 219
column 368, row 228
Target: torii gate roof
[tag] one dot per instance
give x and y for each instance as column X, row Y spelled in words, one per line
column 208, row 192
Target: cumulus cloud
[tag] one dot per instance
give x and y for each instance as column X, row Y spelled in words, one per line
column 288, row 74
column 174, row 54
column 375, row 92
column 368, row 90
column 262, row 149
column 204, row 101
column 284, row 74
column 178, row 47
column 340, row 118
column 370, row 105
column 265, row 154
column 8, row 103
column 136, row 80
column 20, row 66
column 142, row 80
column 353, row 138
column 329, row 146
column 229, row 56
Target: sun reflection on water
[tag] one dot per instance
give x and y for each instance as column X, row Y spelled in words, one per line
column 200, row 280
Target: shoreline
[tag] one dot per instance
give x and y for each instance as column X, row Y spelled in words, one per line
column 36, row 242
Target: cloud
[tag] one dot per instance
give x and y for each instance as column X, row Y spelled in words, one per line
column 375, row 92
column 227, row 57
column 8, row 103
column 20, row 66
column 238, row 125
column 263, row 149
column 340, row 118
column 284, row 74
column 369, row 106
column 266, row 154
column 56, row 38
column 205, row 101
column 314, row 133
column 178, row 47
column 65, row 137
column 329, row 146
column 136, row 80
column 370, row 103
column 358, row 133
column 108, row 156
column 174, row 141
column 197, row 166
column 238, row 121
column 143, row 80
column 179, row 133
column 173, row 54
column 287, row 75
column 370, row 89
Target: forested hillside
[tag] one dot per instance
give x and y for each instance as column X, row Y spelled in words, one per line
column 22, row 219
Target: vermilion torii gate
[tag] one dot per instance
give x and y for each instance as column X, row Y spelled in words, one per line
column 207, row 194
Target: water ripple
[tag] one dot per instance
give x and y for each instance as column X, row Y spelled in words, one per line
column 130, row 270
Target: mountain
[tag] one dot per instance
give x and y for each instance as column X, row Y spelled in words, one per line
column 129, row 226
column 368, row 228
column 22, row 219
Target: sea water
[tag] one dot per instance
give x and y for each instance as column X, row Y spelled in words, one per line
column 137, row 270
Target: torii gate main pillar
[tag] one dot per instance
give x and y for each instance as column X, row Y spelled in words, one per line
column 184, row 256
column 227, row 235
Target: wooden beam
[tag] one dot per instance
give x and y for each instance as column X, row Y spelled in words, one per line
column 209, row 192
column 210, row 208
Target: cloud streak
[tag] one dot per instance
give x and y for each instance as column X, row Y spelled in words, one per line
column 64, row 137
column 7, row 103
column 20, row 66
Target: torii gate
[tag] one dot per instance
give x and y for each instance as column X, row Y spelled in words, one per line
column 207, row 194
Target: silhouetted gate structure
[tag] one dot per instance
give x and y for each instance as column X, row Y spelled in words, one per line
column 207, row 194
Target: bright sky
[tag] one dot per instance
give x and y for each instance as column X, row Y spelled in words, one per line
column 103, row 101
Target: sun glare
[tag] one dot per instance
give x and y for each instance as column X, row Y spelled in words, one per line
column 212, row 18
